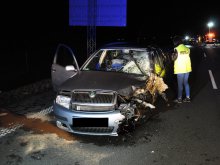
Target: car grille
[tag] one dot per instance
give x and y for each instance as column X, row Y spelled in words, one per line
column 92, row 107
column 102, row 101
column 93, row 129
column 83, row 97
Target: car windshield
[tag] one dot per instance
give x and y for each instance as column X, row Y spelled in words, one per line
column 134, row 61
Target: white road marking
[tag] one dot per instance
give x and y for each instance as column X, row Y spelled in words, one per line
column 3, row 114
column 212, row 80
column 6, row 131
column 40, row 114
column 205, row 55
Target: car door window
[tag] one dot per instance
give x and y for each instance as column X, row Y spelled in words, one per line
column 64, row 57
column 93, row 64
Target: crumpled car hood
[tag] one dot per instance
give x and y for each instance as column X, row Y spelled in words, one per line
column 119, row 82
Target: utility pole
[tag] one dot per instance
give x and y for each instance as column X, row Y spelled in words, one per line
column 91, row 27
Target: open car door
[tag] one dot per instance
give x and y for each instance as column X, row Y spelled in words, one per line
column 64, row 65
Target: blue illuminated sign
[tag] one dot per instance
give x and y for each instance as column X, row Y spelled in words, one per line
column 107, row 13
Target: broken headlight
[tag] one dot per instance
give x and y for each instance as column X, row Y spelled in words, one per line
column 63, row 101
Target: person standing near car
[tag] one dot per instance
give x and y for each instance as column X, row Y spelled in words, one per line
column 182, row 68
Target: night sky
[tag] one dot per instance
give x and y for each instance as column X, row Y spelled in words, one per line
column 175, row 17
column 155, row 18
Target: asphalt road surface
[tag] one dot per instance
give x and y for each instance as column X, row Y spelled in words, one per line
column 182, row 134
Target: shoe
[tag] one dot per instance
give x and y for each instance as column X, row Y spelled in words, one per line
column 178, row 101
column 187, row 100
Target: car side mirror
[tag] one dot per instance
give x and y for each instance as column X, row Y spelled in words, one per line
column 70, row 68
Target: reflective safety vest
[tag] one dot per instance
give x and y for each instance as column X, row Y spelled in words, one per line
column 183, row 63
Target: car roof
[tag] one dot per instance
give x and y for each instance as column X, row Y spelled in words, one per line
column 117, row 45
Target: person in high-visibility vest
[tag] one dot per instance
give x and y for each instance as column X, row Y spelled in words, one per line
column 182, row 68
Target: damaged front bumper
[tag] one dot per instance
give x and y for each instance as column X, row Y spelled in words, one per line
column 88, row 123
column 108, row 113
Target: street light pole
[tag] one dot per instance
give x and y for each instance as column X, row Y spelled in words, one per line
column 210, row 24
column 210, row 35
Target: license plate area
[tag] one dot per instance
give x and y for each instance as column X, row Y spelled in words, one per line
column 90, row 122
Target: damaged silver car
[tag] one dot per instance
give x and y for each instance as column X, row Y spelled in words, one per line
column 110, row 92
